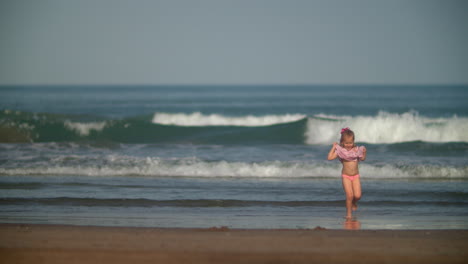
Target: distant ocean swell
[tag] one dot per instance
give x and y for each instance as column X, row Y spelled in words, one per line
column 194, row 167
column 387, row 128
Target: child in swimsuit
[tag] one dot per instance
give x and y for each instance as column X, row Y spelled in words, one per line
column 349, row 155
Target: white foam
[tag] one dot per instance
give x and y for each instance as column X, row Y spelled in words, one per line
column 114, row 165
column 85, row 128
column 199, row 119
column 388, row 128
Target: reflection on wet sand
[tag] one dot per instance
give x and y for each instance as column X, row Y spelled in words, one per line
column 351, row 224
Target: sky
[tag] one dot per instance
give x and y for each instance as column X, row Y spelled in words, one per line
column 233, row 42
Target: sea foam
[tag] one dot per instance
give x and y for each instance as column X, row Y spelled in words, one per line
column 83, row 129
column 387, row 128
column 116, row 165
column 199, row 119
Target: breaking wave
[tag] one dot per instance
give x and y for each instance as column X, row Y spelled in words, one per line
column 197, row 128
column 198, row 119
column 388, row 128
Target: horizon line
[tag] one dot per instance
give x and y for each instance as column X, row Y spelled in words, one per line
column 231, row 85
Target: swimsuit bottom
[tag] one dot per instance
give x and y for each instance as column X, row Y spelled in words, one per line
column 351, row 178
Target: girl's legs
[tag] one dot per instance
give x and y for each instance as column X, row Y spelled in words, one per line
column 348, row 188
column 357, row 192
column 353, row 194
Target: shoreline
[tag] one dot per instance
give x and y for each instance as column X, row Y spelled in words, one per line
column 26, row 243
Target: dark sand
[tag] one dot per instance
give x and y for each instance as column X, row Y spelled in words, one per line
column 79, row 244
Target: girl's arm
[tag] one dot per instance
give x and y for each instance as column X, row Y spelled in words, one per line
column 364, row 154
column 332, row 154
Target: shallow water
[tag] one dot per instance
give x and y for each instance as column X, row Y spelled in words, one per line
column 242, row 157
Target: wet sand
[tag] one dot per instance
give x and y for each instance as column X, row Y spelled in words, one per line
column 82, row 244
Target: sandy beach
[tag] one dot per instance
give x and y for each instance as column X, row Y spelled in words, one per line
column 80, row 244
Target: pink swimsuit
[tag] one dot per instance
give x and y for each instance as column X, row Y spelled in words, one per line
column 355, row 154
column 351, row 178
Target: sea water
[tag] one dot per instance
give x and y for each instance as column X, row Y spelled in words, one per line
column 236, row 156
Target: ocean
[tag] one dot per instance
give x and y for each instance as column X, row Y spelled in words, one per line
column 235, row 156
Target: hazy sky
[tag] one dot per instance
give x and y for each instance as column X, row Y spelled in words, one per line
column 233, row 42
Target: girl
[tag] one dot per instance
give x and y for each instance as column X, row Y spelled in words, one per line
column 349, row 155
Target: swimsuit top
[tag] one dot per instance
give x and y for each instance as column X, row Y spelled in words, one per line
column 355, row 154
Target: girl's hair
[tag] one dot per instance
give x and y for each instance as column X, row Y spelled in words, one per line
column 346, row 132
